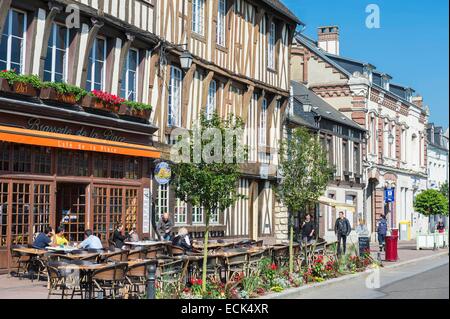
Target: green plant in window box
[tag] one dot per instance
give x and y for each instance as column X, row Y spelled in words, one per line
column 23, row 84
column 136, row 109
column 62, row 92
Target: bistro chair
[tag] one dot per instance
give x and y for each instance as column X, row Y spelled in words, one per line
column 117, row 256
column 154, row 252
column 109, row 280
column 235, row 264
column 62, row 281
column 137, row 278
column 253, row 262
column 175, row 250
column 170, row 274
column 21, row 261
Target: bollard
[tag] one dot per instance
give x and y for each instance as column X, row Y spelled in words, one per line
column 151, row 277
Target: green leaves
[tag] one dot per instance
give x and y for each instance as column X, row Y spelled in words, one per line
column 431, row 202
column 304, row 168
column 12, row 77
column 64, row 88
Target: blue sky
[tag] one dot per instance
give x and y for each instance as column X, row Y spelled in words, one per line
column 411, row 44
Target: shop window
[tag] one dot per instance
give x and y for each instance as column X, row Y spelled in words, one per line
column 41, row 208
column 101, row 165
column 117, row 167
column 162, row 200
column 132, row 168
column 12, row 45
column 3, row 214
column 42, row 160
column 131, row 206
column 20, row 219
column 56, row 62
column 4, row 156
column 73, row 163
column 22, row 158
column 100, row 213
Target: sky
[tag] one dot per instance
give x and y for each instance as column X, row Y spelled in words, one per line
column 411, row 44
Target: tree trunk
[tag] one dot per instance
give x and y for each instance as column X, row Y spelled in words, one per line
column 205, row 254
column 291, row 243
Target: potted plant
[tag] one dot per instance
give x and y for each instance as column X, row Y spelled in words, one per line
column 136, row 109
column 62, row 92
column 103, row 101
column 27, row 85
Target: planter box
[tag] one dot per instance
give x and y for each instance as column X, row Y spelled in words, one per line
column 25, row 89
column 95, row 103
column 4, row 85
column 52, row 95
column 427, row 241
column 138, row 113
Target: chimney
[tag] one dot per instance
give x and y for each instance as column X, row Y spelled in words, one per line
column 328, row 39
column 418, row 101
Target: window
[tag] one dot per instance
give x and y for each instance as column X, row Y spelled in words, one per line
column 393, row 145
column 162, row 200
column 12, row 46
column 180, row 212
column 357, row 158
column 22, row 158
column 214, row 218
column 4, row 156
column 345, row 161
column 174, row 104
column 42, row 160
column 386, row 140
column 197, row 215
column 221, row 22
column 385, row 83
column 97, row 66
column 263, row 124
column 129, row 76
column 198, row 11
column 211, row 106
column 55, row 69
column 271, row 51
column 72, row 163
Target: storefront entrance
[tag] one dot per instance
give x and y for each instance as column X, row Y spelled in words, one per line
column 71, row 209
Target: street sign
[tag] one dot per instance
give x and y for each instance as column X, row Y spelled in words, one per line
column 389, row 195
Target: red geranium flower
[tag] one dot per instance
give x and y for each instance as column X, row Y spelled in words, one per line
column 273, row 267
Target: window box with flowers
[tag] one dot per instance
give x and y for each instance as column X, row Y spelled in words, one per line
column 102, row 101
column 62, row 93
column 136, row 109
column 25, row 85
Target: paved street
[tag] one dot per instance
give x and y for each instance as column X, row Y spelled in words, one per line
column 427, row 279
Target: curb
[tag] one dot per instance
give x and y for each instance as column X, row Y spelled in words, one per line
column 291, row 291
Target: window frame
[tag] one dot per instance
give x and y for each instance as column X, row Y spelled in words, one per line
column 198, row 17
column 175, row 121
column 221, row 26
column 125, row 79
column 262, row 134
column 160, row 208
column 53, row 53
column 10, row 36
column 199, row 213
column 95, row 61
column 211, row 105
column 179, row 204
column 271, row 45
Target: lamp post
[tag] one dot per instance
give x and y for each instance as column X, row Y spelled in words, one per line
column 151, row 277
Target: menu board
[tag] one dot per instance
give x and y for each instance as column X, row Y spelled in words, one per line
column 364, row 245
column 146, row 211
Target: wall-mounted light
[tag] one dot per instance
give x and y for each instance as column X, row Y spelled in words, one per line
column 186, row 60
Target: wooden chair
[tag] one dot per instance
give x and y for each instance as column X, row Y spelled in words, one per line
column 175, row 250
column 136, row 254
column 253, row 262
column 154, row 252
column 170, row 274
column 118, row 256
column 109, row 280
column 137, row 278
column 20, row 260
column 235, row 264
column 60, row 281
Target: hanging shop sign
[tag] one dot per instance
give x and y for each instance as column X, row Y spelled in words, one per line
column 163, row 173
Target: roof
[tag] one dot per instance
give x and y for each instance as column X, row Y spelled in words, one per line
column 280, row 7
column 320, row 108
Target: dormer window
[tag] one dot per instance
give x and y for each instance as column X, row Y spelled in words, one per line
column 385, row 81
column 368, row 71
column 408, row 95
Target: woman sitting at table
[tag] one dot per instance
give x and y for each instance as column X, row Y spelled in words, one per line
column 183, row 240
column 60, row 239
column 119, row 236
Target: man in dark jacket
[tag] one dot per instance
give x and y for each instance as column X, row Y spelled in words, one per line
column 382, row 231
column 342, row 228
column 119, row 237
column 307, row 229
column 164, row 227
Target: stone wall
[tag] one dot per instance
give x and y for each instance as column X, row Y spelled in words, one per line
column 281, row 222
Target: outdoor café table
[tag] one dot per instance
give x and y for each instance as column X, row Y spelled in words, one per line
column 64, row 249
column 146, row 243
column 77, row 256
column 212, row 245
column 87, row 269
column 31, row 251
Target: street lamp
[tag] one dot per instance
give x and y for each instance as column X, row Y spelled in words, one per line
column 186, row 60
column 391, row 139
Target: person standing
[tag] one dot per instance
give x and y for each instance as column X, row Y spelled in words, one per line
column 382, row 231
column 342, row 229
column 307, row 229
column 164, row 227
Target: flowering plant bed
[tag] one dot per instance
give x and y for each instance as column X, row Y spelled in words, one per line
column 102, row 101
column 62, row 93
column 27, row 85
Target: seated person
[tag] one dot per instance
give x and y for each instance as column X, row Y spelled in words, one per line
column 91, row 241
column 134, row 236
column 119, row 237
column 182, row 240
column 60, row 239
column 43, row 240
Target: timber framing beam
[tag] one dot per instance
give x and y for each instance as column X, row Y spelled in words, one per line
column 54, row 10
column 206, row 84
column 4, row 11
column 187, row 81
column 246, row 102
column 270, row 115
column 93, row 32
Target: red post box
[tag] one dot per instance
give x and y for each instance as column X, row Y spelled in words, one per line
column 392, row 246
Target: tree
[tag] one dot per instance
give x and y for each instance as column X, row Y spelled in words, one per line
column 305, row 173
column 431, row 202
column 444, row 190
column 210, row 181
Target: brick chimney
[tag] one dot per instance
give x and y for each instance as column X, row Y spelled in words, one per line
column 418, row 101
column 328, row 39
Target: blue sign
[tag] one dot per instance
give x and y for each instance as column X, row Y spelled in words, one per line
column 389, row 195
column 163, row 173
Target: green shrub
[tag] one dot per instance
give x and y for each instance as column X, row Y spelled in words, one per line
column 64, row 88
column 12, row 77
column 138, row 105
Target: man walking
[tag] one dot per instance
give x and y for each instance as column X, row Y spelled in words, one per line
column 382, row 231
column 342, row 229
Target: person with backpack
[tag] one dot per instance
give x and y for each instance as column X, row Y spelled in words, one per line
column 382, row 231
column 342, row 229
